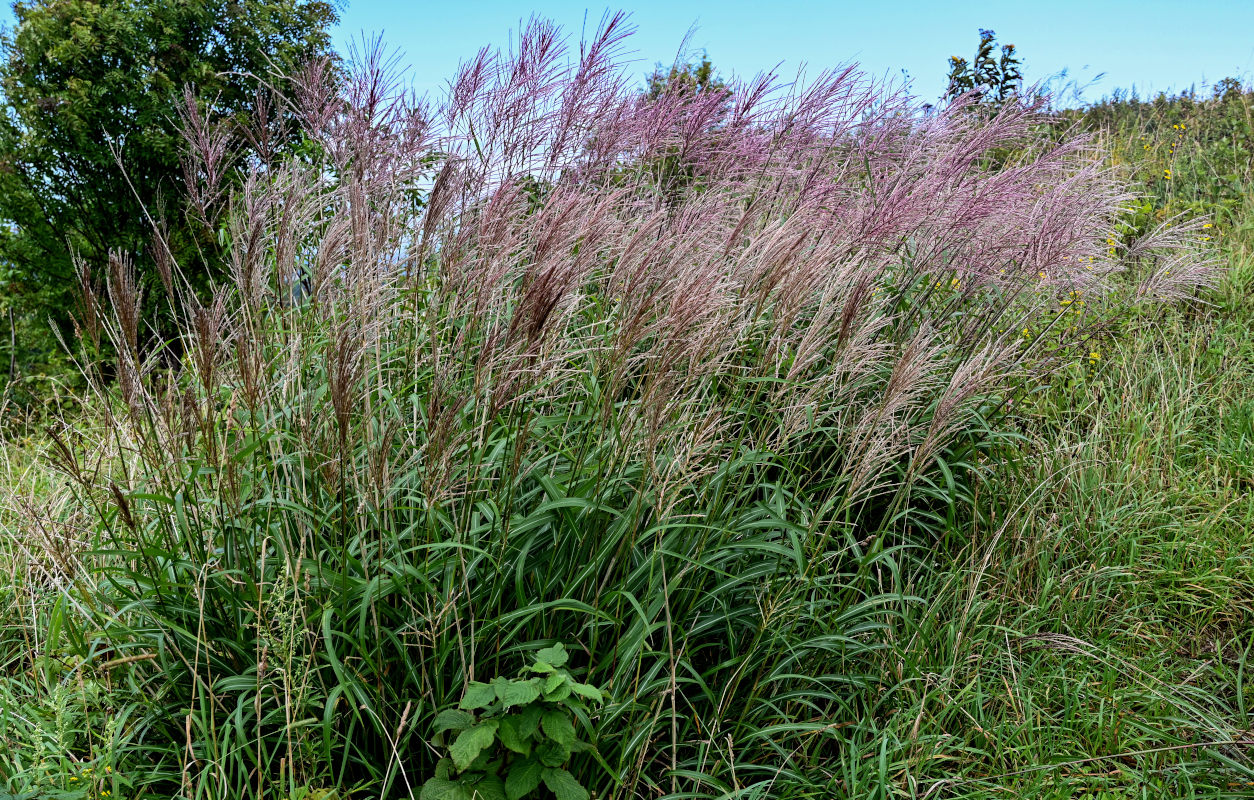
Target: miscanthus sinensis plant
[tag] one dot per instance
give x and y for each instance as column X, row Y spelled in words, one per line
column 677, row 380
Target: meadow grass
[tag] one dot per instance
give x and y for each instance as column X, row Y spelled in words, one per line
column 1092, row 633
column 1088, row 634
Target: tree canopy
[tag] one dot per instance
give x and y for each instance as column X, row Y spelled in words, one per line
column 689, row 76
column 90, row 135
column 997, row 78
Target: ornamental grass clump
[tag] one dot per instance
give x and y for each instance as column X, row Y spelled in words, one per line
column 675, row 378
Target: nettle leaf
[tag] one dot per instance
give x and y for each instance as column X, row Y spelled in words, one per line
column 453, row 720
column 553, row 754
column 555, row 655
column 523, row 779
column 587, row 692
column 500, row 686
column 559, row 694
column 444, row 789
column 553, row 681
column 558, row 727
column 562, row 784
column 471, row 742
column 529, row 721
column 490, row 787
column 519, row 693
column 542, row 667
column 478, row 695
column 483, row 762
column 510, row 736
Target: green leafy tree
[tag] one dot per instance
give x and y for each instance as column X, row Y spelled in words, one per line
column 690, row 76
column 88, row 85
column 998, row 75
column 695, row 80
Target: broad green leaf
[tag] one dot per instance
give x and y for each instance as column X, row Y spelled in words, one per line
column 453, row 720
column 558, row 727
column 523, row 779
column 483, row 761
column 563, row 785
column 555, row 655
column 553, row 754
column 519, row 693
column 529, row 721
column 586, row 691
column 553, row 681
column 508, row 731
column 444, row 789
column 471, row 742
column 559, row 694
column 489, row 787
column 478, row 695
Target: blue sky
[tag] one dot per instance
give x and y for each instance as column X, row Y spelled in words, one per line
column 1153, row 45
column 1150, row 44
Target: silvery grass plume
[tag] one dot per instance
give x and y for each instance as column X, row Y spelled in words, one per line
column 550, row 359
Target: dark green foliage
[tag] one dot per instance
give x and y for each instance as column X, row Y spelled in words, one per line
column 87, row 85
column 996, row 75
column 521, row 735
column 695, row 77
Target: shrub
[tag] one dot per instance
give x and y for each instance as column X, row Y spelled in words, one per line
column 533, row 717
column 486, row 378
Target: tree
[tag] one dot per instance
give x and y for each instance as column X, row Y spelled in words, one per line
column 998, row 79
column 704, row 101
column 691, row 76
column 89, row 84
